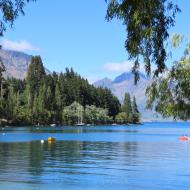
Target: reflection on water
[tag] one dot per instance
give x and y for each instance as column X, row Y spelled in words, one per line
column 83, row 163
column 66, row 157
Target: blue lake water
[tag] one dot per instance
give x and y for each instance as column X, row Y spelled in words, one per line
column 144, row 157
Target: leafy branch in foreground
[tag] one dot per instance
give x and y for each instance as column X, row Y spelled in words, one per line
column 169, row 94
column 10, row 10
column 147, row 25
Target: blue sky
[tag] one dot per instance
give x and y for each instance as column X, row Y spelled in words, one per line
column 76, row 34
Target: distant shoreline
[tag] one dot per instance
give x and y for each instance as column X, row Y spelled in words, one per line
column 62, row 125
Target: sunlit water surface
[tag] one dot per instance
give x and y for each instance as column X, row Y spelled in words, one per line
column 144, row 157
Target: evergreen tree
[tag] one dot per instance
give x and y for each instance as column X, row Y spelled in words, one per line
column 135, row 112
column 34, row 79
column 2, row 70
column 58, row 103
column 127, row 108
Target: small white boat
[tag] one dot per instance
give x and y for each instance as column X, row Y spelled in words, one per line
column 80, row 124
column 80, row 117
column 53, row 125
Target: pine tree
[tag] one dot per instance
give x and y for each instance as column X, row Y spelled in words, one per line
column 35, row 76
column 58, row 103
column 127, row 108
column 135, row 113
column 2, row 70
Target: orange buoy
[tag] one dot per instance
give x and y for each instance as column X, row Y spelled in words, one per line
column 184, row 138
column 51, row 139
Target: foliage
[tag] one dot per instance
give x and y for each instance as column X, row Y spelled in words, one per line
column 121, row 118
column 46, row 98
column 10, row 10
column 91, row 114
column 127, row 108
column 135, row 112
column 147, row 25
column 96, row 115
column 71, row 113
column 169, row 94
column 129, row 111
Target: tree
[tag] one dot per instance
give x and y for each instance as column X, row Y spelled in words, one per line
column 96, row 115
column 169, row 94
column 121, row 118
column 105, row 99
column 127, row 108
column 34, row 79
column 35, row 74
column 3, row 97
column 58, row 102
column 70, row 113
column 147, row 25
column 135, row 112
column 2, row 70
column 10, row 10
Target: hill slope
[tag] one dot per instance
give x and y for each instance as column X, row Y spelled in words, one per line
column 16, row 63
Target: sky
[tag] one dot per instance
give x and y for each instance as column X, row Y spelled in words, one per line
column 75, row 34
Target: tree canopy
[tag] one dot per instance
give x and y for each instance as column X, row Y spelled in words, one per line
column 10, row 10
column 41, row 98
column 169, row 94
column 129, row 111
column 147, row 27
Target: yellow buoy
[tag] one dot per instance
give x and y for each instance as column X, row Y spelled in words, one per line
column 51, row 139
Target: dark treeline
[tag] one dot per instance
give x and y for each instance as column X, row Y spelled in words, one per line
column 46, row 98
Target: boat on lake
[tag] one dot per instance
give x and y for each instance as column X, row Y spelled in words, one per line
column 80, row 117
column 80, row 124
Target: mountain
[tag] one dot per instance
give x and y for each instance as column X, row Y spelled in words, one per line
column 16, row 63
column 126, row 76
column 105, row 83
column 125, row 83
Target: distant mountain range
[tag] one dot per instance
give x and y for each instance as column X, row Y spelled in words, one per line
column 16, row 63
column 125, row 83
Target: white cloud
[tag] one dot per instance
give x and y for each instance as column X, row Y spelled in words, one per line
column 118, row 67
column 19, row 45
column 125, row 66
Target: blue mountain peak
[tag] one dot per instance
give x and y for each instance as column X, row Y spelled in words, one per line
column 126, row 76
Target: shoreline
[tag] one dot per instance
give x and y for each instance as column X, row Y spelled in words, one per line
column 65, row 125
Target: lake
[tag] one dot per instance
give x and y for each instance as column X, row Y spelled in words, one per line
column 144, row 157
